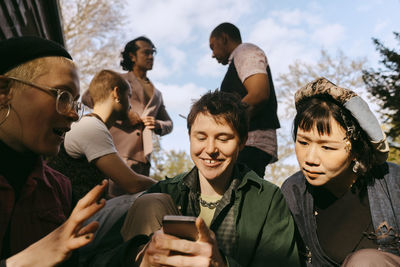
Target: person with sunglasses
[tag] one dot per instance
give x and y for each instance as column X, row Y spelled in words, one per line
column 39, row 88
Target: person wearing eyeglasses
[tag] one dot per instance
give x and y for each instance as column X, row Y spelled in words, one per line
column 134, row 143
column 39, row 88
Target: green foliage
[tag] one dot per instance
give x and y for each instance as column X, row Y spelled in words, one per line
column 384, row 84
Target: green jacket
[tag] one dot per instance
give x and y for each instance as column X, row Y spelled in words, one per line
column 265, row 229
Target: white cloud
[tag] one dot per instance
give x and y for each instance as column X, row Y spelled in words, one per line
column 208, row 66
column 177, row 22
column 268, row 31
column 329, row 35
column 175, row 25
column 178, row 98
column 179, row 138
column 170, row 60
column 282, row 44
column 381, row 26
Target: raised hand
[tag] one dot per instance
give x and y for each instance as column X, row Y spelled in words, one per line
column 150, row 122
column 59, row 244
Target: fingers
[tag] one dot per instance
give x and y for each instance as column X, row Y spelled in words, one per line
column 92, row 196
column 170, row 243
column 179, row 260
column 87, row 207
column 84, row 237
column 149, row 121
column 90, row 228
column 78, row 216
column 80, row 241
column 205, row 234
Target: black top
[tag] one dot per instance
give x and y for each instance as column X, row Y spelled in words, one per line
column 266, row 117
column 10, row 167
column 342, row 224
column 83, row 175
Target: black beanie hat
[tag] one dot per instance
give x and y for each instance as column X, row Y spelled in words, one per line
column 18, row 50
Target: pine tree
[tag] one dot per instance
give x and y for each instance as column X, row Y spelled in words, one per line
column 384, row 84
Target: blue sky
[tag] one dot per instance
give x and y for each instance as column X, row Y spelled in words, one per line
column 285, row 30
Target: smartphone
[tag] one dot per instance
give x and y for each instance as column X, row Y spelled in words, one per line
column 181, row 226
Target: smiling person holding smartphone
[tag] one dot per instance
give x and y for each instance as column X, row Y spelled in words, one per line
column 242, row 219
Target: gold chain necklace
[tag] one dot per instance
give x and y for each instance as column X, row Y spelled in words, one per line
column 210, row 205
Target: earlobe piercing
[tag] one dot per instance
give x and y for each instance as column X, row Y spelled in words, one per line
column 356, row 166
column 7, row 114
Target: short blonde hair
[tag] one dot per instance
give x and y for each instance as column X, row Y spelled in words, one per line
column 103, row 83
column 30, row 70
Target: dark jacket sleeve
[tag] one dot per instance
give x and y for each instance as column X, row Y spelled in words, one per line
column 277, row 245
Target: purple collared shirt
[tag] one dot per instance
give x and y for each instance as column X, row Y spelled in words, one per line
column 44, row 204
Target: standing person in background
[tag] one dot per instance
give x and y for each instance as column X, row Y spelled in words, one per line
column 134, row 143
column 249, row 76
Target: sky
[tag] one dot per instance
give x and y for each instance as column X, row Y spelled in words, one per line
column 286, row 30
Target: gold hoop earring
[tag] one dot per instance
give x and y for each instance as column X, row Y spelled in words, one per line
column 8, row 114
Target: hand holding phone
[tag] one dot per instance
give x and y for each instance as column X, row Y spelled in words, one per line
column 181, row 226
column 161, row 250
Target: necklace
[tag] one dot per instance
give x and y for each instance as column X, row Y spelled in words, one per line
column 96, row 116
column 210, row 205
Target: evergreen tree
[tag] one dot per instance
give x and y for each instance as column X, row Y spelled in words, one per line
column 384, row 84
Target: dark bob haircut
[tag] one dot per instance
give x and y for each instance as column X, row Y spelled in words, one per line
column 319, row 110
column 222, row 105
column 131, row 47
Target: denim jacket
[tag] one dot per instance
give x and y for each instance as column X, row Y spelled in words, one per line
column 384, row 201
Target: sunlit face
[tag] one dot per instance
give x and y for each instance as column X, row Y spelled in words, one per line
column 214, row 147
column 219, row 51
column 34, row 124
column 323, row 158
column 144, row 57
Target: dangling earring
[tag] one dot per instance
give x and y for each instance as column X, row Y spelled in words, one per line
column 347, row 145
column 356, row 166
column 117, row 100
column 7, row 114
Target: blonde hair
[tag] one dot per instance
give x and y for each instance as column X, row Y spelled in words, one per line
column 103, row 83
column 30, row 70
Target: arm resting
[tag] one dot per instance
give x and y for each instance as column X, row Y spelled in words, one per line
column 114, row 167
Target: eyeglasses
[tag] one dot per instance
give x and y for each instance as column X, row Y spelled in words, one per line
column 64, row 100
column 148, row 52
